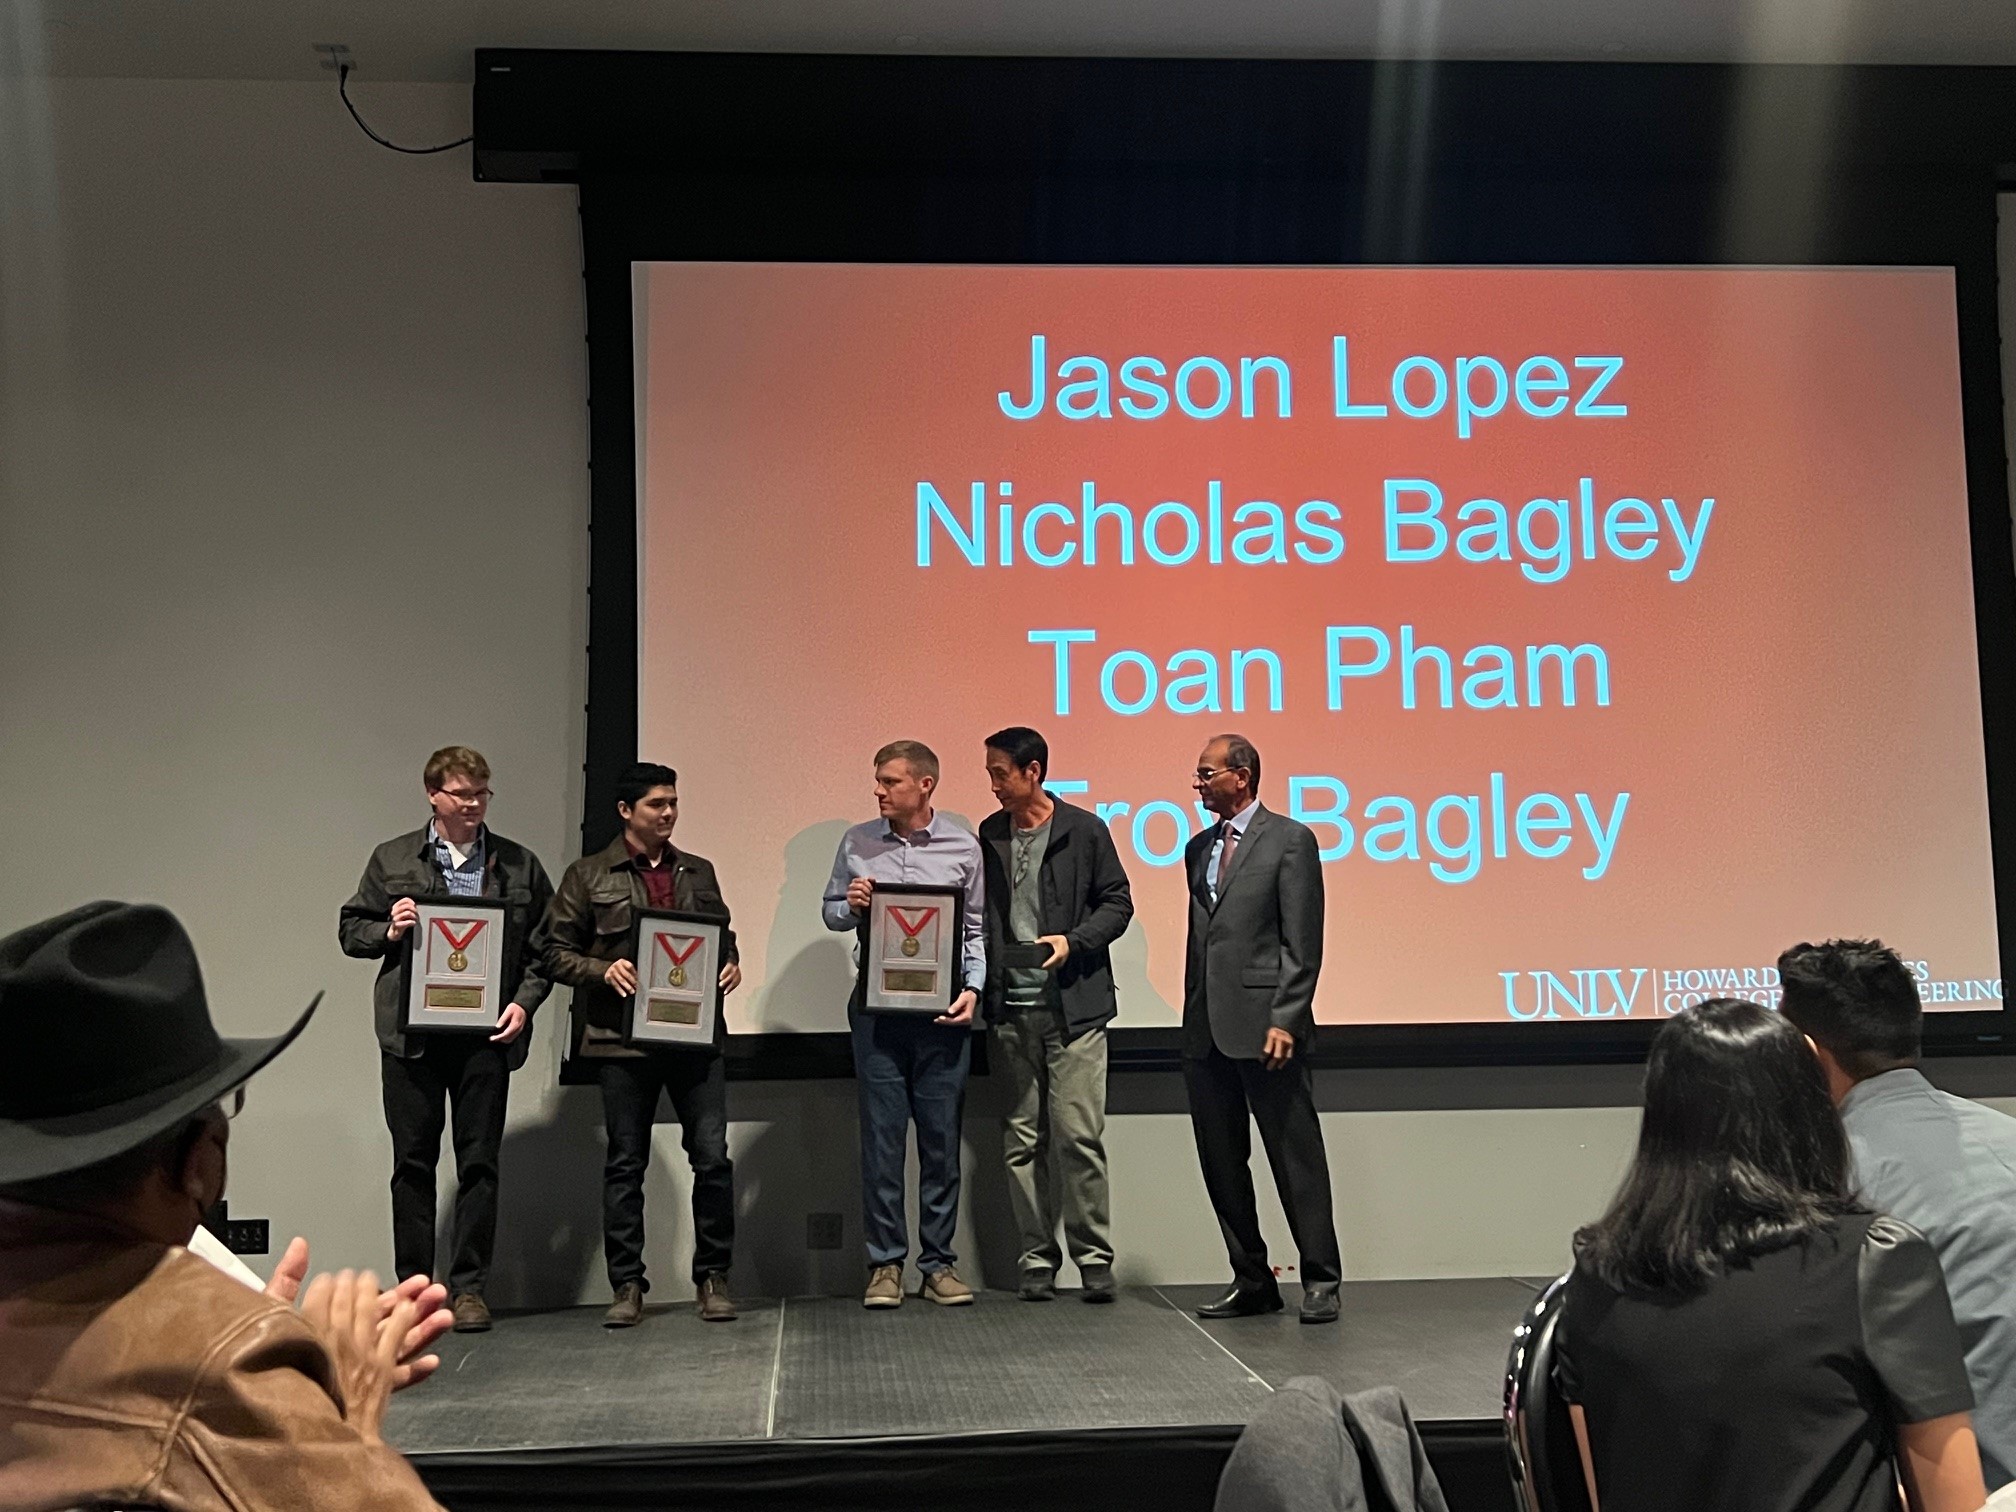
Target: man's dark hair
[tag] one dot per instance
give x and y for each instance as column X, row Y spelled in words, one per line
column 1740, row 1152
column 1239, row 752
column 1021, row 745
column 1857, row 1000
column 639, row 778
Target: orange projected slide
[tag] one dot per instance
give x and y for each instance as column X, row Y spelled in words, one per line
column 1611, row 628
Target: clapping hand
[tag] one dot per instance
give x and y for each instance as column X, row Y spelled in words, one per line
column 429, row 1299
column 363, row 1344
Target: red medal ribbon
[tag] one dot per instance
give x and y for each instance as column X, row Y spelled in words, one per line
column 910, row 930
column 679, row 958
column 475, row 928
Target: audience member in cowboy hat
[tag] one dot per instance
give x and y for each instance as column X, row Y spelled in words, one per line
column 130, row 1370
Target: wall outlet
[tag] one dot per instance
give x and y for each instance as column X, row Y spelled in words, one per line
column 241, row 1236
column 247, row 1236
column 822, row 1231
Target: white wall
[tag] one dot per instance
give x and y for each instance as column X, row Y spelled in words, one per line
column 293, row 489
column 293, row 461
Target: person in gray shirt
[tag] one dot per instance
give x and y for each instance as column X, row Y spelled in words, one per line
column 1057, row 899
column 1944, row 1165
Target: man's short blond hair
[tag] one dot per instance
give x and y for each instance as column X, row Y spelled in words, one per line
column 455, row 761
column 923, row 760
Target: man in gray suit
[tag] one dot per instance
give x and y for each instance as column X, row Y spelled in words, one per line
column 1249, row 988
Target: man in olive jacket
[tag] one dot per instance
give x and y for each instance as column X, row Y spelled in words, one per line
column 455, row 855
column 586, row 944
column 1057, row 897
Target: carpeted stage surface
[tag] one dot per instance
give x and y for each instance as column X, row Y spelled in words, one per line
column 819, row 1403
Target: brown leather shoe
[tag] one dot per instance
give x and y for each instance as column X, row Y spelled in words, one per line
column 627, row 1311
column 945, row 1288
column 885, row 1287
column 471, row 1316
column 715, row 1306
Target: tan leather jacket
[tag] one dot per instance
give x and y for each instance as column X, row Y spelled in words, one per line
column 135, row 1373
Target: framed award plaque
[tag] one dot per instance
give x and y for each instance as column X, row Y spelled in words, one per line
column 455, row 967
column 914, row 959
column 678, row 997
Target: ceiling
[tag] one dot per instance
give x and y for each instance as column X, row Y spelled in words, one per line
column 433, row 39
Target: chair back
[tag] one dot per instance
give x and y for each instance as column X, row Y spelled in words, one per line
column 1545, row 1461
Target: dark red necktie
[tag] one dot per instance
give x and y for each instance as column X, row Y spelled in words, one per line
column 1225, row 854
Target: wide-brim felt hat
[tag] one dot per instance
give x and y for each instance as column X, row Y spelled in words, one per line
column 106, row 1039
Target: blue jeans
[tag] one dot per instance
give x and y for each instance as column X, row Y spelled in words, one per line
column 910, row 1068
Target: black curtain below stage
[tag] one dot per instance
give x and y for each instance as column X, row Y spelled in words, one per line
column 1097, row 1470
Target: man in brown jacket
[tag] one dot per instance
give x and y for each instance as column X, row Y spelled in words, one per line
column 586, row 943
column 132, row 1372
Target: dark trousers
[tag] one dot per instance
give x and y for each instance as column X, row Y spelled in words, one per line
column 698, row 1085
column 470, row 1075
column 1223, row 1092
column 907, row 1068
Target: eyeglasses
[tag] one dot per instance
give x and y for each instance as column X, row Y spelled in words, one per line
column 233, row 1105
column 481, row 795
column 1205, row 774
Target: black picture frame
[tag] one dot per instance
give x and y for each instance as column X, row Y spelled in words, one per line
column 1293, row 163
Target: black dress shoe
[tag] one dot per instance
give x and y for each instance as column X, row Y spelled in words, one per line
column 1319, row 1302
column 1243, row 1302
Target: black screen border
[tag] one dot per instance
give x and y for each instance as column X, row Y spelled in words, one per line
column 1253, row 212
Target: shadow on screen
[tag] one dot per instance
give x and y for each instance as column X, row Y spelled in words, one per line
column 808, row 982
column 1141, row 1005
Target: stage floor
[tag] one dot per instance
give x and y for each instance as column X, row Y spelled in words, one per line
column 818, row 1377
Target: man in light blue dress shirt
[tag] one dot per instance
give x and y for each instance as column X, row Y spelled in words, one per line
column 906, row 1066
column 1943, row 1164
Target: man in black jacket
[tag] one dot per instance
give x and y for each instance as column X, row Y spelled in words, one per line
column 1057, row 897
column 586, row 944
column 455, row 855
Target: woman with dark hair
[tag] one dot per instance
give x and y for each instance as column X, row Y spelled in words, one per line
column 1739, row 1332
